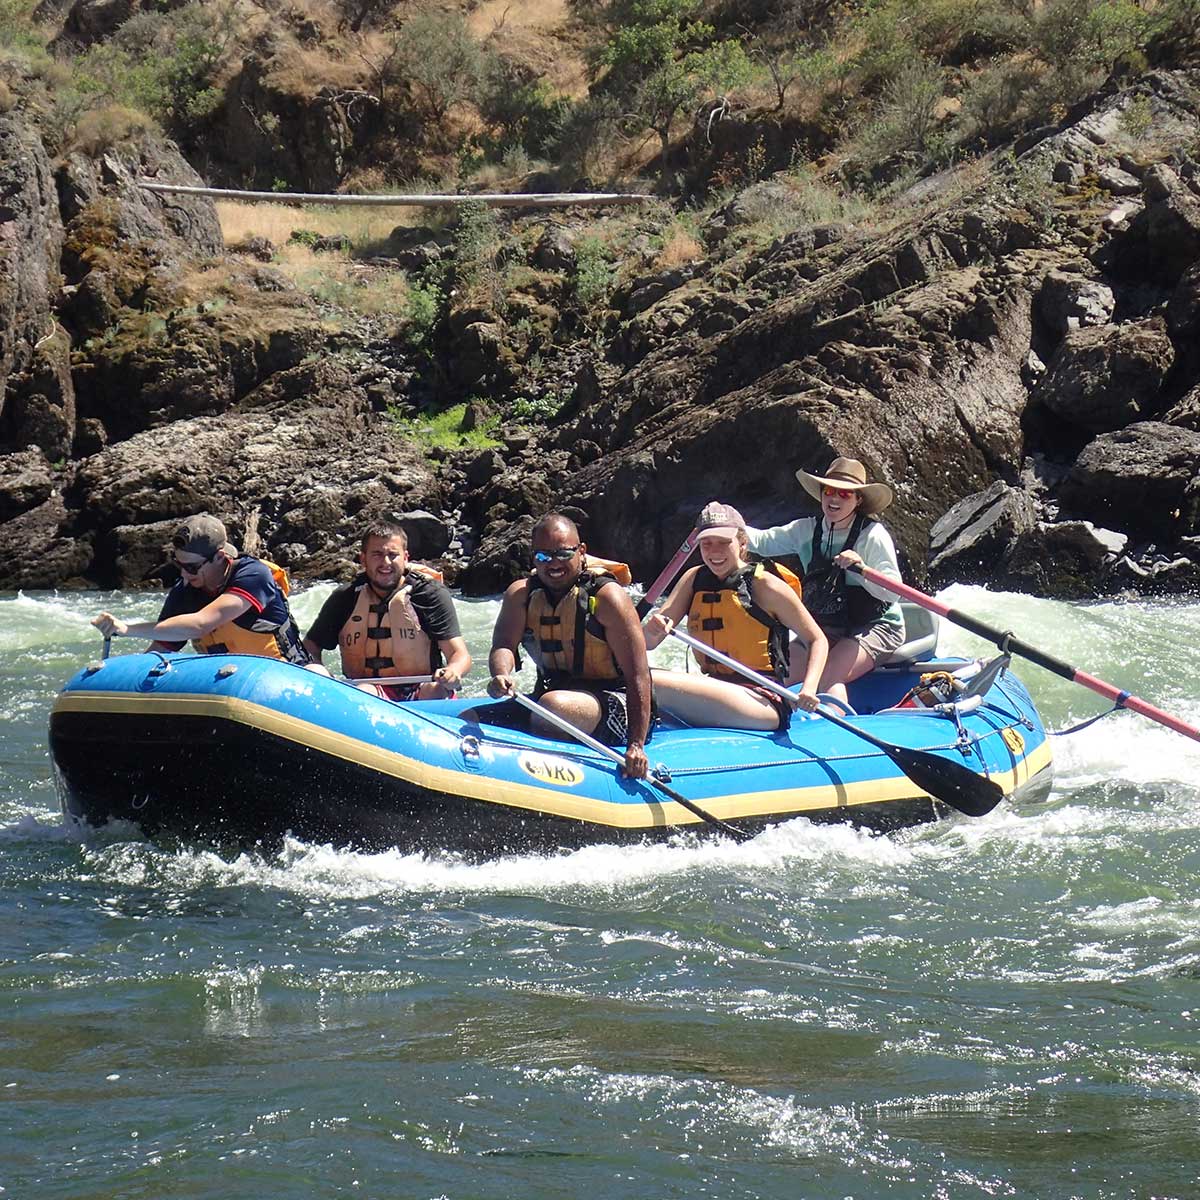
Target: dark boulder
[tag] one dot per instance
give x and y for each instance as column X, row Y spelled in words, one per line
column 428, row 536
column 968, row 541
column 1105, row 377
column 1163, row 240
column 502, row 556
column 37, row 402
column 1067, row 301
column 37, row 551
column 1143, row 480
column 1067, row 560
column 26, row 481
column 171, row 224
column 1185, row 412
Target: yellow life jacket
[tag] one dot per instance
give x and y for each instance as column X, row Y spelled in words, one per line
column 565, row 639
column 383, row 635
column 723, row 614
column 232, row 638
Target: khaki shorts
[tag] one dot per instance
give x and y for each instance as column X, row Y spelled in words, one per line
column 881, row 639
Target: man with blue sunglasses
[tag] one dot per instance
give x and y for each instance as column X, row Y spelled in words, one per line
column 581, row 629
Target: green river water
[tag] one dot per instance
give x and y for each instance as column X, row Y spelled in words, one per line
column 999, row 1007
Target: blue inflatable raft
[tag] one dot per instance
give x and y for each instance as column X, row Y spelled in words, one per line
column 230, row 748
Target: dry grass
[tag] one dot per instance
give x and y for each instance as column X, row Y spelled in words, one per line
column 334, row 279
column 679, row 247
column 277, row 222
column 537, row 32
column 301, row 70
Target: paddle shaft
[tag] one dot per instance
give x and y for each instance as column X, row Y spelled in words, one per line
column 667, row 575
column 608, row 752
column 764, row 681
column 1009, row 643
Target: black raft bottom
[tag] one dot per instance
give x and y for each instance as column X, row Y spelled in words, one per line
column 224, row 783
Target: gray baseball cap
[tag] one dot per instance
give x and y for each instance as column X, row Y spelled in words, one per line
column 204, row 536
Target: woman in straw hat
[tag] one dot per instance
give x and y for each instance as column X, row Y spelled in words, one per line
column 862, row 621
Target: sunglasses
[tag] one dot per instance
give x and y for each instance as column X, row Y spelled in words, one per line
column 841, row 493
column 193, row 568
column 563, row 554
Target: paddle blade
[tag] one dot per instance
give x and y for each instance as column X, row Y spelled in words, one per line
column 952, row 783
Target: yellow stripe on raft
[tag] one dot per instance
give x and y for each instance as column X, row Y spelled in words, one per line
column 779, row 803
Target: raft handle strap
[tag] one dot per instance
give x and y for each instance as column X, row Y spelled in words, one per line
column 1118, row 704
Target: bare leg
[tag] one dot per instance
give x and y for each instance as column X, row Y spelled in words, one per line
column 699, row 700
column 582, row 709
column 847, row 662
column 798, row 661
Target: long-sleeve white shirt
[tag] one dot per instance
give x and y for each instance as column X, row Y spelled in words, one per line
column 874, row 546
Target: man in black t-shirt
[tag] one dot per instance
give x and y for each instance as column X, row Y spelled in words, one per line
column 395, row 621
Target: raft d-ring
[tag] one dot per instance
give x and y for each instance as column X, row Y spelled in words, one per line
column 227, row 670
column 661, row 774
column 469, row 746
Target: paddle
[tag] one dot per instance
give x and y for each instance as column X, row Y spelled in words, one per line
column 667, row 575
column 608, row 752
column 1011, row 644
column 952, row 783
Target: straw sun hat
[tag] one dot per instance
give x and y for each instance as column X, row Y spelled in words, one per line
column 850, row 474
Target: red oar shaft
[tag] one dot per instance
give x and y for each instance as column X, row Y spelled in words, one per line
column 1011, row 644
column 667, row 575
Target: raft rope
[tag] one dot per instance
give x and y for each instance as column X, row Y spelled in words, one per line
column 1118, row 704
column 965, row 742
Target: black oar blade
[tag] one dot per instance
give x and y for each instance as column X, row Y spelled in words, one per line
column 953, row 783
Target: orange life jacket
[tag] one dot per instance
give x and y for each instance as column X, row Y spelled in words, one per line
column 383, row 635
column 618, row 570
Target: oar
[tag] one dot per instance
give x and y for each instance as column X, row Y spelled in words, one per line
column 1011, row 644
column 953, row 783
column 667, row 575
column 608, row 752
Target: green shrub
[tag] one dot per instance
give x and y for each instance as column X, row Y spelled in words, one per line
column 585, row 132
column 477, row 243
column 1137, row 118
column 444, row 429
column 907, row 114
column 525, row 113
column 162, row 63
column 536, row 411
column 593, row 278
column 21, row 42
column 1179, row 18
column 884, row 32
column 995, row 102
column 422, row 312
column 444, row 64
column 1088, row 36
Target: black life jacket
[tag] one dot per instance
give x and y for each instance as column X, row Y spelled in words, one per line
column 834, row 603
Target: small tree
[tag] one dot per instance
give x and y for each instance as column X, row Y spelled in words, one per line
column 440, row 58
column 680, row 84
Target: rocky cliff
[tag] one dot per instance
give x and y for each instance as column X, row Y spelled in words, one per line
column 1014, row 349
